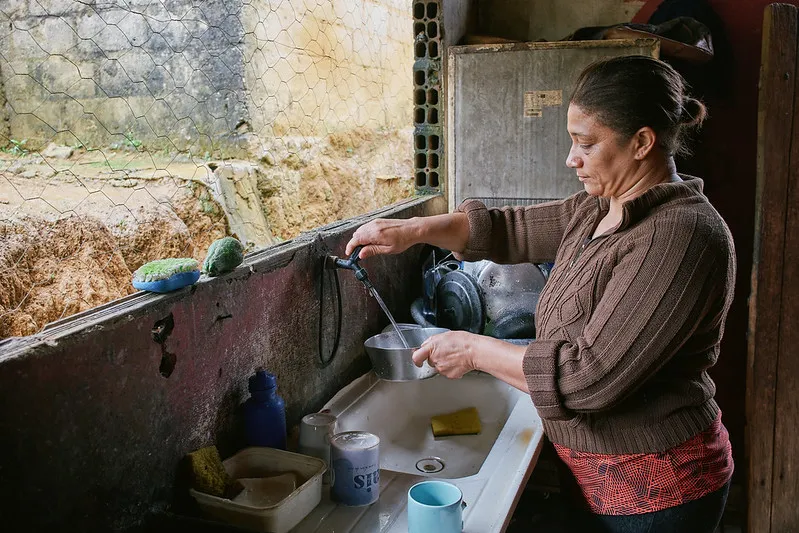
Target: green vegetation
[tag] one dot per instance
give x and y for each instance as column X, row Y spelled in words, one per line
column 132, row 142
column 15, row 147
column 207, row 203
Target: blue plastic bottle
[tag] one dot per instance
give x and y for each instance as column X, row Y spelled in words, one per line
column 265, row 413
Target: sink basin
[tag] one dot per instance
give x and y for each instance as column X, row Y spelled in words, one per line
column 399, row 413
column 491, row 468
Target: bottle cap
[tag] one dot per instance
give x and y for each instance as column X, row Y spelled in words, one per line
column 262, row 381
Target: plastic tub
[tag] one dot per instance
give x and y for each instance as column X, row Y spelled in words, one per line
column 265, row 462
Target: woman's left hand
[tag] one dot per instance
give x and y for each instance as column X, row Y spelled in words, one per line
column 452, row 354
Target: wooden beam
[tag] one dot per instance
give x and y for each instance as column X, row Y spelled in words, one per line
column 775, row 127
column 784, row 507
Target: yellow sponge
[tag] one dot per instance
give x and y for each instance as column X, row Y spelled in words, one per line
column 463, row 422
column 209, row 474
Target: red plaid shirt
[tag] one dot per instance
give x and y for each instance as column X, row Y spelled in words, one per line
column 646, row 482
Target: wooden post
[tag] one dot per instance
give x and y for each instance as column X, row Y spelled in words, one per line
column 773, row 368
column 785, row 503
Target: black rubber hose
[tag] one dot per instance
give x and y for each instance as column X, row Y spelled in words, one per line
column 326, row 360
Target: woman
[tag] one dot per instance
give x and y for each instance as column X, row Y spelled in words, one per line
column 632, row 315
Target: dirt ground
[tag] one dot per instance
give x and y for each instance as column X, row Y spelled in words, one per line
column 73, row 227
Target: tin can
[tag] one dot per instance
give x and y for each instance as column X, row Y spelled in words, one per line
column 355, row 478
column 316, row 430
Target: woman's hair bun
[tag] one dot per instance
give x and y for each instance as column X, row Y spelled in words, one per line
column 693, row 112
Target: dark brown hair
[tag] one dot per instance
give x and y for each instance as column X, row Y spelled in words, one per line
column 630, row 92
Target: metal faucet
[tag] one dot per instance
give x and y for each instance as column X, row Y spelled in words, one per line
column 352, row 264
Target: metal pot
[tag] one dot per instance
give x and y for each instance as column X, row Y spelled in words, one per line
column 392, row 362
column 511, row 294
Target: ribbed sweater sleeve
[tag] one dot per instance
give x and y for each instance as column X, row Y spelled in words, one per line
column 653, row 302
column 517, row 234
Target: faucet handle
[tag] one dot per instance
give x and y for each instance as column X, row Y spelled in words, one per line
column 351, row 263
column 354, row 256
column 360, row 272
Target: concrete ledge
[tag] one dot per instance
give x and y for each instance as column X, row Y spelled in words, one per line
column 97, row 410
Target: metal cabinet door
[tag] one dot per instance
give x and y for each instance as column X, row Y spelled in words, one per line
column 506, row 117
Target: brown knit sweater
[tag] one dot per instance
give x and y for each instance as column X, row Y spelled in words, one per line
column 629, row 322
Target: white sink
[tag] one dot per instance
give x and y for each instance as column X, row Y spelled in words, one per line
column 399, row 413
column 491, row 468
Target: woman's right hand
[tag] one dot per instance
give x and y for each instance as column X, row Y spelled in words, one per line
column 383, row 236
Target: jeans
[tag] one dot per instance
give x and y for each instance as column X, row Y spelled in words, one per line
column 697, row 516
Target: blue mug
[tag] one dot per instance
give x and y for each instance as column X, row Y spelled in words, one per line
column 435, row 507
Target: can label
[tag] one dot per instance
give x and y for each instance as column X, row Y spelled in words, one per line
column 355, row 458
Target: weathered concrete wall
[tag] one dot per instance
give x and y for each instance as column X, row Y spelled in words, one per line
column 552, row 20
column 97, row 411
column 196, row 75
column 165, row 73
column 458, row 19
column 313, row 67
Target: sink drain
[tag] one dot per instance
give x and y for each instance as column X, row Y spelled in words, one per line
column 430, row 465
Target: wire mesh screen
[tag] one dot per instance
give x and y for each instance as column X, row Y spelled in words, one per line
column 134, row 130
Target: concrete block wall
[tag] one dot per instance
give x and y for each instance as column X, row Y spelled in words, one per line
column 196, row 75
column 428, row 101
column 97, row 411
column 437, row 24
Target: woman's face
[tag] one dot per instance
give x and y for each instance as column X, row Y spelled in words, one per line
column 604, row 162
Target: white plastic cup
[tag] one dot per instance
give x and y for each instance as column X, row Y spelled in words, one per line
column 316, row 430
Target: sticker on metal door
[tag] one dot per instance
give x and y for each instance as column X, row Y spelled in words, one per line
column 535, row 101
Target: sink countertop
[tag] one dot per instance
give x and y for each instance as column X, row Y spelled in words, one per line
column 491, row 494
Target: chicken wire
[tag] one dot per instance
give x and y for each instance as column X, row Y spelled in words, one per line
column 134, row 130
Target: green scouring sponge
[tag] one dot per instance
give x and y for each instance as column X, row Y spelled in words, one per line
column 165, row 275
column 223, row 256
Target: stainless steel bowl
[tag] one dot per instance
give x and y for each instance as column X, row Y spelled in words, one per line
column 392, row 361
column 401, row 325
